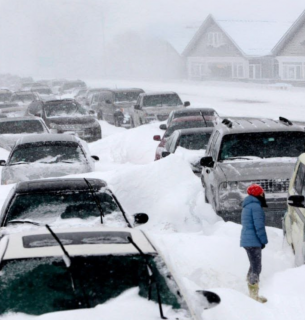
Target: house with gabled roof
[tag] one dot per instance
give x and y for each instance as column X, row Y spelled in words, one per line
column 290, row 52
column 239, row 49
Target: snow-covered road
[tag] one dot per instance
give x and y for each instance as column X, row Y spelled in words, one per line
column 201, row 249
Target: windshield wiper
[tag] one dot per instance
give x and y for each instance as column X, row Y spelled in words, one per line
column 24, row 221
column 244, row 158
column 19, row 162
column 152, row 278
column 96, row 199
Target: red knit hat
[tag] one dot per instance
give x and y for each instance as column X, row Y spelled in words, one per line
column 255, row 190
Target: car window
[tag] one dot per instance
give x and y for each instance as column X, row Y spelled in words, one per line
column 4, row 97
column 299, row 185
column 187, row 125
column 262, row 145
column 23, row 97
column 47, row 154
column 194, row 141
column 19, row 127
column 63, row 109
column 97, row 279
column 55, row 206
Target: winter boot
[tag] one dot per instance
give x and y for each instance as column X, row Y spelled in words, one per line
column 253, row 293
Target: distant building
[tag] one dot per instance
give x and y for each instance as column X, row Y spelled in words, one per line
column 247, row 50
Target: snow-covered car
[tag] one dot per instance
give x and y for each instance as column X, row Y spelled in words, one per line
column 209, row 114
column 45, row 93
column 63, row 270
column 5, row 95
column 244, row 152
column 22, row 99
column 116, row 106
column 190, row 144
column 177, row 124
column 56, row 84
column 68, row 115
column 155, row 107
column 90, row 93
column 46, row 156
column 66, row 202
column 12, row 129
column 80, row 96
column 294, row 219
column 69, row 87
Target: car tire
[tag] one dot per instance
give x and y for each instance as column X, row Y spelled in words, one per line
column 100, row 115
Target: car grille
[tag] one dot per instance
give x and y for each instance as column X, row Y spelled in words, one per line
column 162, row 117
column 273, row 185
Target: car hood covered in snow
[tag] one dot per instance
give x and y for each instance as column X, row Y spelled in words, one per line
column 246, row 170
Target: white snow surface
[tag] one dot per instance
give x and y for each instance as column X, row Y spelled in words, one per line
column 200, row 249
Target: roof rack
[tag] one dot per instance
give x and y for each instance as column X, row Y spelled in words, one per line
column 285, row 121
column 227, row 123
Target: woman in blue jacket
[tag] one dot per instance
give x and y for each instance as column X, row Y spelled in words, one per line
column 253, row 236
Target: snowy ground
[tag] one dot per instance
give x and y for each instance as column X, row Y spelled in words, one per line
column 201, row 249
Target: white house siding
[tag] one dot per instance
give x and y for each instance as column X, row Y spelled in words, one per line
column 292, row 58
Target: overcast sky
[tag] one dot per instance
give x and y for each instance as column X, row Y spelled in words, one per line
column 51, row 34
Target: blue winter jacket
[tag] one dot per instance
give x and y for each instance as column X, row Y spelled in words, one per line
column 253, row 233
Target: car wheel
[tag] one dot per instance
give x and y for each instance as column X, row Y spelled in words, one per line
column 100, row 115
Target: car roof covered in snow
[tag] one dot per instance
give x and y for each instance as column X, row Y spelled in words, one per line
column 157, row 93
column 64, row 184
column 187, row 118
column 195, row 130
column 82, row 241
column 193, row 110
column 33, row 138
column 256, row 125
column 20, row 119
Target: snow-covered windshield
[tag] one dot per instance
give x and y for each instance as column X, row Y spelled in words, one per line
column 42, row 90
column 63, row 109
column 37, row 286
column 22, row 126
column 187, row 125
column 194, row 141
column 48, row 207
column 48, row 153
column 162, row 100
column 23, row 97
column 126, row 96
column 262, row 145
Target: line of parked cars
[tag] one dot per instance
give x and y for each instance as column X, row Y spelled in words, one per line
column 67, row 243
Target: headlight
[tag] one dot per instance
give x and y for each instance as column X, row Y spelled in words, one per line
column 53, row 126
column 228, row 186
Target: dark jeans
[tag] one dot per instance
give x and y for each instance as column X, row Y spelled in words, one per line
column 255, row 258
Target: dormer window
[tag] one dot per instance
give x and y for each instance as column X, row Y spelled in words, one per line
column 215, row 39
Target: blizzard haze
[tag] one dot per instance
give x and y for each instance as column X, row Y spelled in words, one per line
column 120, row 38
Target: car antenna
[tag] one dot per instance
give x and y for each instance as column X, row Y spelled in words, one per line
column 96, row 199
column 151, row 278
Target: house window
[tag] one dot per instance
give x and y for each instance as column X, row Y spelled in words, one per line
column 255, row 71
column 195, row 70
column 215, row 39
column 293, row 71
column 238, row 70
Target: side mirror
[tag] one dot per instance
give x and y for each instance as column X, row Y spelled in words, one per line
column 108, row 101
column 96, row 158
column 293, row 201
column 163, row 126
column 157, row 138
column 137, row 107
column 38, row 114
column 207, row 162
column 140, row 218
column 92, row 112
column 186, row 103
column 53, row 131
column 2, row 163
column 165, row 154
column 210, row 299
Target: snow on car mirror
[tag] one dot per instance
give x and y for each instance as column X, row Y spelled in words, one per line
column 296, row 201
column 207, row 162
column 141, row 218
column 209, row 299
column 137, row 107
column 163, row 126
column 187, row 103
column 96, row 158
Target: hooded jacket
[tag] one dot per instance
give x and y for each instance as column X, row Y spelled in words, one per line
column 253, row 233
